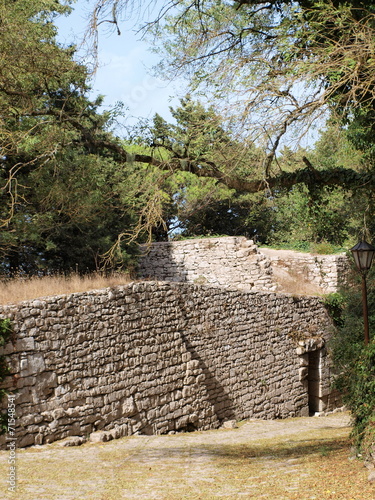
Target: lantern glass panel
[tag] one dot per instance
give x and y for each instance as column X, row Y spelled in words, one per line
column 363, row 254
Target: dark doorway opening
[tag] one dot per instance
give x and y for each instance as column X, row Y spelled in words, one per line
column 315, row 402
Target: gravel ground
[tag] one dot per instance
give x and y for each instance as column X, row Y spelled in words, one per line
column 244, row 462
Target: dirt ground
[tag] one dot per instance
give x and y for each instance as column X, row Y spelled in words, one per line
column 287, row 277
column 292, row 459
column 281, row 254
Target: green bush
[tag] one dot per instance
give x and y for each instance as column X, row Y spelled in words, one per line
column 359, row 385
column 354, row 361
column 324, row 248
column 335, row 303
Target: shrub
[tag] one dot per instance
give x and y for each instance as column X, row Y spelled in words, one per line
column 354, row 361
column 359, row 385
column 335, row 302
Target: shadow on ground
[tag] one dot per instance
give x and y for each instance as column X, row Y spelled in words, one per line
column 231, row 452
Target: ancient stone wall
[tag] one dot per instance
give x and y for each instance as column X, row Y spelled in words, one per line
column 231, row 262
column 326, row 272
column 236, row 262
column 162, row 357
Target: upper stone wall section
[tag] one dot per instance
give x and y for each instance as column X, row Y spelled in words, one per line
column 236, row 262
column 231, row 262
column 309, row 274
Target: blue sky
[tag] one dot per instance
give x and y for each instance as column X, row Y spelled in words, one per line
column 124, row 67
column 125, row 63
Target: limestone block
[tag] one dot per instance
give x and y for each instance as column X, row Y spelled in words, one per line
column 32, row 364
column 73, row 441
column 24, row 396
column 7, row 349
column 8, row 383
column 25, row 344
column 27, row 440
column 129, row 407
column 303, row 373
column 100, row 437
column 230, row 424
column 29, row 323
column 39, row 438
column 304, row 360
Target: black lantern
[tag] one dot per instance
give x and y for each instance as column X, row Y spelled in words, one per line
column 363, row 254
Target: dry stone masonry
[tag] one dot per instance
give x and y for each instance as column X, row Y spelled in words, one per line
column 236, row 262
column 326, row 272
column 154, row 358
column 230, row 262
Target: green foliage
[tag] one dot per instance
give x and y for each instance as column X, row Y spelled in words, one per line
column 324, row 248
column 360, row 397
column 353, row 360
column 5, row 331
column 300, row 219
column 319, row 219
column 61, row 179
column 72, row 216
column 71, row 193
column 267, row 67
column 191, row 203
column 5, row 336
column 335, row 302
column 304, row 217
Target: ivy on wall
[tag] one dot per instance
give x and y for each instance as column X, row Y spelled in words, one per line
column 5, row 336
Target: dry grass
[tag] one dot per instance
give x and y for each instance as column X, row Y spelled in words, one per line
column 295, row 283
column 17, row 290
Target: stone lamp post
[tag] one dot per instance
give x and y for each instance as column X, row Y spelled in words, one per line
column 363, row 254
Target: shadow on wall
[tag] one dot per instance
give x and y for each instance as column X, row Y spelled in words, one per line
column 236, row 262
column 159, row 262
column 217, row 396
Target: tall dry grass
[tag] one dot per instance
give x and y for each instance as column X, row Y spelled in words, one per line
column 19, row 289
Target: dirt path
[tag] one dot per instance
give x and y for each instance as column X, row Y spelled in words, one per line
column 281, row 254
column 293, row 459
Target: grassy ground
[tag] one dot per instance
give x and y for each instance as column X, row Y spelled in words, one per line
column 294, row 459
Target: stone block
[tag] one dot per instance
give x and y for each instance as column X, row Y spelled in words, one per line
column 230, row 424
column 7, row 349
column 73, row 441
column 128, row 407
column 303, row 373
column 27, row 440
column 25, row 344
column 100, row 437
column 32, row 364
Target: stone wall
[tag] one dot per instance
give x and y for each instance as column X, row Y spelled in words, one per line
column 236, row 262
column 163, row 357
column 231, row 262
column 326, row 272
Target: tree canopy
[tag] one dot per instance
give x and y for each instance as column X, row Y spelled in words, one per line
column 72, row 192
column 60, row 194
column 273, row 69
